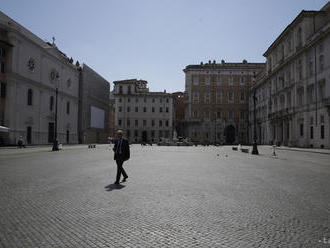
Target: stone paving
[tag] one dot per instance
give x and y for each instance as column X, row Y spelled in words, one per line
column 174, row 197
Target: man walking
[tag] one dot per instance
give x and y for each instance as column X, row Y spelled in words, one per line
column 122, row 154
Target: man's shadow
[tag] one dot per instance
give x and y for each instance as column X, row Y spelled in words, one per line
column 113, row 186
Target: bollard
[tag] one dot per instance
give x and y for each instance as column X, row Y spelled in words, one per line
column 274, row 147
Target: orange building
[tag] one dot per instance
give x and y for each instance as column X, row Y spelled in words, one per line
column 217, row 101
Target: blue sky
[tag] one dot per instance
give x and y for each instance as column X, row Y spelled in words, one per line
column 155, row 39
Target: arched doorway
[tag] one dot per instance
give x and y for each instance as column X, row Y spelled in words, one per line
column 230, row 134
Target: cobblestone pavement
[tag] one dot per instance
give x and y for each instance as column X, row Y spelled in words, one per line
column 174, row 197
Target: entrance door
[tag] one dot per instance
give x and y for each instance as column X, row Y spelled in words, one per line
column 29, row 135
column 51, row 130
column 230, row 134
column 144, row 136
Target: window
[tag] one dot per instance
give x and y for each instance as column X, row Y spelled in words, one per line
column 166, row 123
column 321, row 63
column 144, row 123
column 322, row 89
column 136, row 123
column 51, row 103
column 119, row 109
column 207, row 97
column 120, row 89
column 3, row 90
column 166, row 109
column 195, row 114
column 128, row 109
column 160, row 133
column 218, row 114
column 312, row 132
column 128, row 99
column 2, row 52
column 129, row 90
column 301, row 129
column 128, row 122
column 194, row 79
column 230, row 96
column 207, row 114
column 160, row 110
column 153, row 100
column 166, row 100
column 119, row 122
column 136, row 99
column 160, row 100
column 231, row 115
column 2, row 67
column 119, row 100
column 160, row 123
column 29, row 97
column 153, row 109
column 128, row 133
column 152, row 123
column 322, row 131
column 299, row 38
column 136, row 109
column 242, row 96
column 310, row 94
column 136, row 133
column 152, row 133
column 144, row 109
column 201, row 79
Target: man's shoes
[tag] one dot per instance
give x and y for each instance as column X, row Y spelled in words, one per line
column 124, row 180
column 116, row 183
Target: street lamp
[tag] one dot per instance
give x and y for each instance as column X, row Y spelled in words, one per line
column 55, row 142
column 255, row 148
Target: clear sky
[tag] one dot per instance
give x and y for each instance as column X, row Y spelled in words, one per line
column 155, row 40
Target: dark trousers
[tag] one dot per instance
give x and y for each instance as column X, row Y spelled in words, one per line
column 120, row 169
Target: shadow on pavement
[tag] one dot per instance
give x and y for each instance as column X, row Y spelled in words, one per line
column 113, row 186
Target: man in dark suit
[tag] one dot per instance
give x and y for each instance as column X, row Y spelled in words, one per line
column 122, row 154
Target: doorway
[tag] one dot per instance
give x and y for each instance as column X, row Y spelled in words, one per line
column 230, row 134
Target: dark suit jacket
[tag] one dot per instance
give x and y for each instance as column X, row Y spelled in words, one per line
column 125, row 153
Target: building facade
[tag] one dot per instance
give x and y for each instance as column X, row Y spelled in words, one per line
column 94, row 99
column 217, row 101
column 293, row 94
column 143, row 116
column 31, row 70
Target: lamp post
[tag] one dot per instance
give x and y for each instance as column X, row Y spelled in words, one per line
column 55, row 142
column 255, row 148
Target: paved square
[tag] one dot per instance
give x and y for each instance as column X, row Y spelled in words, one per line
column 174, row 197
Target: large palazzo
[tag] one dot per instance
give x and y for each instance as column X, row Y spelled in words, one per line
column 217, row 101
column 293, row 93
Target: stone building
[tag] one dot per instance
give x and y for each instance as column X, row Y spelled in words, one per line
column 94, row 99
column 217, row 101
column 293, row 94
column 143, row 116
column 31, row 70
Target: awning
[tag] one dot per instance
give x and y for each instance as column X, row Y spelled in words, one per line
column 4, row 129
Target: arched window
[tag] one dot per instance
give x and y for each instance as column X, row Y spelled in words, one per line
column 29, row 97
